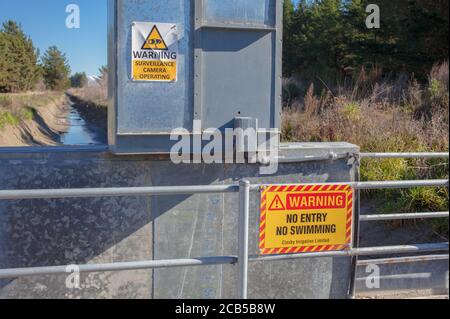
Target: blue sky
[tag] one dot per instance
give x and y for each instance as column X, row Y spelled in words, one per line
column 45, row 22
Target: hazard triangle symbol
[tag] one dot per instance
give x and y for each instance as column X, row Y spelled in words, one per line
column 277, row 204
column 154, row 41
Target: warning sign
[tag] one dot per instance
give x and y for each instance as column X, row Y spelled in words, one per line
column 154, row 41
column 154, row 52
column 277, row 204
column 308, row 218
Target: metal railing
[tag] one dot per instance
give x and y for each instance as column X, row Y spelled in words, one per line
column 391, row 217
column 244, row 188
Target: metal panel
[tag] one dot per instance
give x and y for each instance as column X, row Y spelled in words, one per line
column 145, row 108
column 260, row 12
column 102, row 230
column 230, row 65
column 238, row 77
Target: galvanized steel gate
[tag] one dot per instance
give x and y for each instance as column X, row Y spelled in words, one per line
column 244, row 188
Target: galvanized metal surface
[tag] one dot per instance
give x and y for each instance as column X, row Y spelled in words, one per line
column 244, row 213
column 153, row 107
column 243, row 12
column 107, row 230
column 219, row 42
column 400, row 260
column 242, row 259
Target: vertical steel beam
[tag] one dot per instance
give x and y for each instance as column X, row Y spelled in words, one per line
column 244, row 209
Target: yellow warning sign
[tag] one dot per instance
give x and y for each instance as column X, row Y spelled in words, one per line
column 154, row 41
column 305, row 218
column 154, row 52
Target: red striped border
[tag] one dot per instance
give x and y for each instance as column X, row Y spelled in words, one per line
column 305, row 188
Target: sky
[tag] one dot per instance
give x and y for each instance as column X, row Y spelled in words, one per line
column 45, row 22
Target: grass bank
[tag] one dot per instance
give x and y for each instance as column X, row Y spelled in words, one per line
column 34, row 118
column 380, row 115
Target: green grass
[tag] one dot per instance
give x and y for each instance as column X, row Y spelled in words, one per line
column 7, row 118
column 15, row 108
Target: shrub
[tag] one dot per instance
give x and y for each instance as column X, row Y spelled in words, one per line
column 380, row 117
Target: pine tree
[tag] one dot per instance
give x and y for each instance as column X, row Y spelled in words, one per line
column 288, row 15
column 56, row 70
column 78, row 80
column 3, row 63
column 19, row 69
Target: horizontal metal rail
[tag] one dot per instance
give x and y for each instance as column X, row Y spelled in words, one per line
column 404, row 155
column 115, row 192
column 207, row 261
column 384, row 217
column 186, row 190
column 402, row 260
column 401, row 184
column 371, row 251
column 381, row 185
column 120, row 266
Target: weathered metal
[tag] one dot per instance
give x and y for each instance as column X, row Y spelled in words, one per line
column 219, row 42
column 165, row 223
column 144, row 226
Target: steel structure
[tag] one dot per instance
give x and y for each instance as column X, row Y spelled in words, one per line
column 244, row 188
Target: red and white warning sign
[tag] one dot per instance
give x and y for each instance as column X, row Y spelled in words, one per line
column 305, row 218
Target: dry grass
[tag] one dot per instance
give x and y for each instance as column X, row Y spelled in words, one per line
column 380, row 115
column 96, row 95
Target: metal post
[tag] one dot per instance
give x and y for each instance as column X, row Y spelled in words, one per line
column 356, row 231
column 244, row 208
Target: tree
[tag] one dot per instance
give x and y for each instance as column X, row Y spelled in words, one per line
column 3, row 62
column 56, row 70
column 288, row 15
column 78, row 80
column 19, row 69
column 328, row 39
